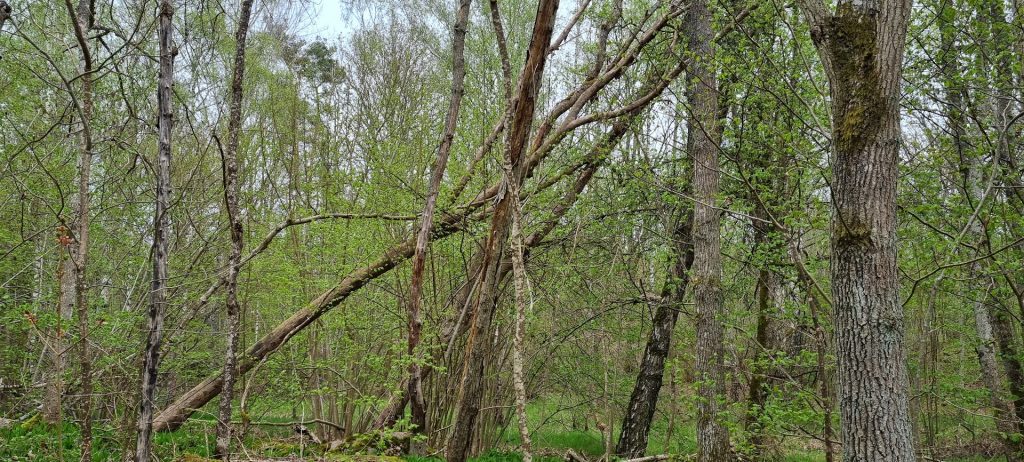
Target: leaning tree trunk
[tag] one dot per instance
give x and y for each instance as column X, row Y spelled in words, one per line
column 161, row 226
column 861, row 46
column 520, row 120
column 415, row 386
column 702, row 143
column 231, row 192
column 636, row 424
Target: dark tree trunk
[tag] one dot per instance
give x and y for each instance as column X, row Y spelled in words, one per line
column 161, row 226
column 861, row 47
column 636, row 424
column 231, row 191
column 5, row 13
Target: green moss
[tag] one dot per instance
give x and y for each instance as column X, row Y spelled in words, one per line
column 851, row 232
column 858, row 103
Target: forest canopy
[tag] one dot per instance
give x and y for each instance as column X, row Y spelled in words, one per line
column 503, row 230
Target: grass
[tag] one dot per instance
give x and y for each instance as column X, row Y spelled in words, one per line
column 551, row 437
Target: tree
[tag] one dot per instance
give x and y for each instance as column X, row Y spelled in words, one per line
column 520, row 119
column 82, row 22
column 702, row 145
column 861, row 47
column 415, row 389
column 231, row 192
column 161, row 228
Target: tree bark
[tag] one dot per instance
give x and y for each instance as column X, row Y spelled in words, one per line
column 703, row 145
column 861, row 47
column 519, row 320
column 232, row 189
column 161, row 227
column 636, row 424
column 520, row 122
column 82, row 22
column 415, row 388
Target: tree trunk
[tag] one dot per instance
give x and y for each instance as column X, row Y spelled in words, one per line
column 392, row 411
column 861, row 47
column 82, row 21
column 5, row 13
column 767, row 293
column 636, row 424
column 519, row 320
column 703, row 145
column 54, row 394
column 161, row 227
column 415, row 387
column 520, row 119
column 232, row 189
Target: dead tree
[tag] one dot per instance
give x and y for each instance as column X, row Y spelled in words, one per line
column 161, row 226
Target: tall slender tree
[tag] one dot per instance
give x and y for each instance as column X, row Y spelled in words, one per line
column 82, row 21
column 231, row 191
column 703, row 145
column 415, row 389
column 161, row 228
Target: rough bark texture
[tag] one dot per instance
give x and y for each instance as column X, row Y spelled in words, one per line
column 231, row 192
column 520, row 122
column 161, row 226
column 636, row 423
column 415, row 387
column 702, row 144
column 861, row 46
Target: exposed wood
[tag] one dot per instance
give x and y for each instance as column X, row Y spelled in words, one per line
column 520, row 122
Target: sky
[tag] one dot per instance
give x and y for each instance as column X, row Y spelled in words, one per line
column 324, row 19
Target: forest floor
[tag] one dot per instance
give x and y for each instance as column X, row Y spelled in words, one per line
column 552, row 438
